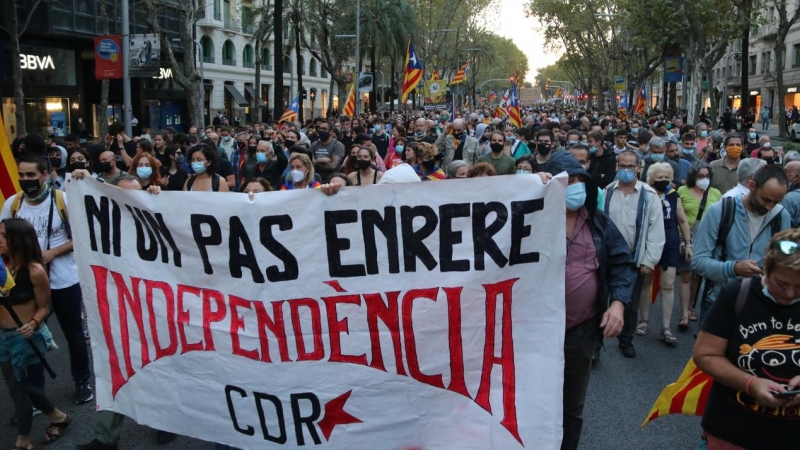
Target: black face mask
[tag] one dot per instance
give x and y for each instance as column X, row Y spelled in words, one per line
column 76, row 165
column 363, row 164
column 252, row 148
column 496, row 147
column 289, row 143
column 429, row 165
column 104, row 167
column 543, row 149
column 30, row 187
column 241, row 145
column 769, row 160
column 324, row 135
column 55, row 163
column 661, row 186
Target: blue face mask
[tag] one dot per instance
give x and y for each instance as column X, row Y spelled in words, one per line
column 592, row 150
column 656, row 157
column 399, row 148
column 198, row 167
column 634, row 131
column 626, row 176
column 687, row 151
column 769, row 296
column 261, row 157
column 752, row 135
column 704, row 134
column 144, row 172
column 180, row 158
column 576, row 196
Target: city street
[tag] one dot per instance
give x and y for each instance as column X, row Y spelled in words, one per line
column 620, row 396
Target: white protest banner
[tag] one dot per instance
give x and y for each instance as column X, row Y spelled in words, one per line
column 425, row 315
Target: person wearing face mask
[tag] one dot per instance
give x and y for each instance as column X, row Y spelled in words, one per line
column 599, row 277
column 242, row 156
column 752, row 141
column 173, row 174
column 751, row 358
column 745, row 172
column 519, row 147
column 502, row 163
column 58, row 165
column 688, row 151
column 457, row 169
column 747, row 223
column 426, row 169
column 701, row 139
column 544, row 150
column 725, row 169
column 226, row 142
column 365, row 172
column 602, row 163
column 763, row 142
column 301, row 173
column 143, row 168
column 107, row 168
column 379, row 137
column 205, row 162
column 792, row 199
column 46, row 209
column 268, row 163
column 456, row 145
column 635, row 208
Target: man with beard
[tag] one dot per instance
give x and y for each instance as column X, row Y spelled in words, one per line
column 503, row 163
column 421, row 133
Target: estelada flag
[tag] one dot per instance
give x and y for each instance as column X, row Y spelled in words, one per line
column 350, row 105
column 9, row 178
column 461, row 75
column 435, row 76
column 641, row 99
column 6, row 280
column 290, row 115
column 412, row 73
column 513, row 106
column 687, row 396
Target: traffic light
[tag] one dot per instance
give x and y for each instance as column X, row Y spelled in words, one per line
column 313, row 94
column 304, row 93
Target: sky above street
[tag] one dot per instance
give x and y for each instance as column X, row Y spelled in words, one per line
column 512, row 24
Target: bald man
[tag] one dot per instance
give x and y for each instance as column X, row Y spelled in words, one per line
column 107, row 169
column 455, row 144
column 792, row 199
column 421, row 133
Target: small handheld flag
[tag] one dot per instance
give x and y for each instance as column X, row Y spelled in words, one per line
column 350, row 105
column 290, row 115
column 687, row 396
column 513, row 107
column 413, row 72
column 641, row 98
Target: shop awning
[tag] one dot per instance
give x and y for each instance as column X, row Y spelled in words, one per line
column 249, row 89
column 237, row 96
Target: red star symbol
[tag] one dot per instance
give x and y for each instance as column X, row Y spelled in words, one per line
column 336, row 415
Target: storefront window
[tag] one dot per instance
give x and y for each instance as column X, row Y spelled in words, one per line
column 47, row 66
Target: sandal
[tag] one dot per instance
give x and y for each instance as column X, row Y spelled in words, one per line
column 692, row 316
column 50, row 437
column 683, row 325
column 668, row 337
column 642, row 328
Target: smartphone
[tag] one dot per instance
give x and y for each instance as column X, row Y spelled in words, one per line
column 785, row 394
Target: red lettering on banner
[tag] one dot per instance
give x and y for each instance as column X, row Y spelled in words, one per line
column 101, row 281
column 410, row 340
column 318, row 351
column 209, row 317
column 184, row 319
column 237, row 324
column 457, row 383
column 506, row 359
column 172, row 347
column 388, row 314
column 275, row 325
column 336, row 327
column 125, row 300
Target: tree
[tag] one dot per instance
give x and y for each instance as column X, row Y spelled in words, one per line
column 14, row 33
column 788, row 14
column 261, row 35
column 185, row 74
column 277, row 20
column 102, row 118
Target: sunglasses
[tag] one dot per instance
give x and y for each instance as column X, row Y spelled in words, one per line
column 786, row 247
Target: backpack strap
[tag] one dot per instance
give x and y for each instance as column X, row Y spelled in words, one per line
column 726, row 222
column 775, row 224
column 190, row 182
column 702, row 208
column 608, row 198
column 16, row 205
column 61, row 207
column 215, row 183
column 639, row 221
column 741, row 299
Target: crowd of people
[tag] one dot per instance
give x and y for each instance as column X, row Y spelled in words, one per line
column 650, row 200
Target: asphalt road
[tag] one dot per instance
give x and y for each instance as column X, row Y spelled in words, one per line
column 620, row 396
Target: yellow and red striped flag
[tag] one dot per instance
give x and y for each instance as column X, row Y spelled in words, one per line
column 290, row 115
column 9, row 178
column 641, row 99
column 412, row 73
column 686, row 396
column 461, row 75
column 435, row 76
column 514, row 115
column 350, row 105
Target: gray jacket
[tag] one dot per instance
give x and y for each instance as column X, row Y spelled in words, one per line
column 446, row 144
column 792, row 204
column 652, row 239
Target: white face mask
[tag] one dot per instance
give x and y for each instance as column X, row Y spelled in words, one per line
column 703, row 184
column 297, row 175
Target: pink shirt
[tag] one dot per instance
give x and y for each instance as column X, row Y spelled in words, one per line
column 581, row 274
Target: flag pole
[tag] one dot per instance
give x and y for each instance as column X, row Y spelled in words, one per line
column 358, row 51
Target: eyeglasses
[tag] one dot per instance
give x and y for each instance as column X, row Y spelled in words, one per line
column 631, row 167
column 786, row 247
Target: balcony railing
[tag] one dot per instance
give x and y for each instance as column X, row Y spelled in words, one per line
column 249, row 65
column 208, row 59
column 229, row 62
column 250, row 29
column 766, row 30
column 233, row 25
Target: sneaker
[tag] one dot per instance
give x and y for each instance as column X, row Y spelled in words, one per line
column 165, row 437
column 96, row 445
column 83, row 392
column 627, row 349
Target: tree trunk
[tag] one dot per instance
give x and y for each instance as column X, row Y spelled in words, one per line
column 16, row 70
column 672, row 94
column 255, row 110
column 277, row 18
column 302, row 107
column 712, row 109
column 392, row 89
column 342, row 86
column 103, row 116
column 780, row 89
column 373, row 96
column 695, row 91
column 329, row 106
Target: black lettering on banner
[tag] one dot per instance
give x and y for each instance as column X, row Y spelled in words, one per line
column 520, row 231
column 449, row 238
column 413, row 245
column 336, row 245
column 370, row 220
column 214, row 238
column 483, row 243
column 281, row 438
column 163, row 234
column 309, row 420
column 146, row 253
column 249, row 431
column 238, row 238
column 101, row 215
column 290, row 268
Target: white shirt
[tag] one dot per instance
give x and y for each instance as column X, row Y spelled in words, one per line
column 737, row 191
column 63, row 271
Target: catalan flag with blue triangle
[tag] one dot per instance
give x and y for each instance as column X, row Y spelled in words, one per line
column 290, row 115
